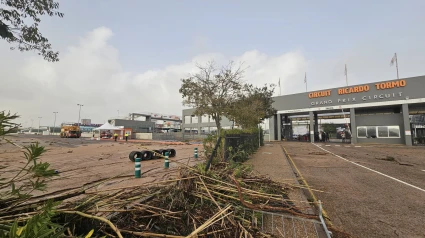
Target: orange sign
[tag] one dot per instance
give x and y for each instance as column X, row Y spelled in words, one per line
column 319, row 94
column 357, row 89
column 388, row 85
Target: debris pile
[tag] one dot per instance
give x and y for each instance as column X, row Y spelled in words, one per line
column 218, row 203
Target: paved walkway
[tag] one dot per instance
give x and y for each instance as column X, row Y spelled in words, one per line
column 271, row 161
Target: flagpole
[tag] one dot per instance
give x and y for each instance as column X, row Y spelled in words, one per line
column 346, row 74
column 396, row 64
column 305, row 80
column 280, row 89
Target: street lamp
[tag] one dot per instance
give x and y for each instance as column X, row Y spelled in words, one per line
column 39, row 119
column 54, row 123
column 79, row 112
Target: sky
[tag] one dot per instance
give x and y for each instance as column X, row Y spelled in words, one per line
column 130, row 56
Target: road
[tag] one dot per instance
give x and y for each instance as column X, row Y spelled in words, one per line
column 362, row 202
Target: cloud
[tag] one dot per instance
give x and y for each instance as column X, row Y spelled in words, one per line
column 90, row 73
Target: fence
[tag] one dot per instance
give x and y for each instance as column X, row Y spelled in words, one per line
column 238, row 146
column 283, row 225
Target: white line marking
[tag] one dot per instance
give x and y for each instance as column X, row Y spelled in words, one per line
column 347, row 146
column 337, row 145
column 327, row 145
column 398, row 180
column 357, row 146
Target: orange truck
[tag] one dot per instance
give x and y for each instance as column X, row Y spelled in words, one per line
column 70, row 131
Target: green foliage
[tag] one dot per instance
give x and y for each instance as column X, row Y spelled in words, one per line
column 241, row 144
column 14, row 28
column 253, row 105
column 329, row 128
column 40, row 225
column 211, row 91
column 32, row 176
column 18, row 189
column 240, row 169
column 7, row 126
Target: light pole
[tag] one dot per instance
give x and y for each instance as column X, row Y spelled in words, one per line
column 79, row 112
column 54, row 123
column 39, row 119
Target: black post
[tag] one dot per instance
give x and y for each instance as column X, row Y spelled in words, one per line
column 213, row 154
column 225, row 152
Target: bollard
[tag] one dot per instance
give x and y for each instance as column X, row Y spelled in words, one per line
column 166, row 161
column 195, row 153
column 137, row 167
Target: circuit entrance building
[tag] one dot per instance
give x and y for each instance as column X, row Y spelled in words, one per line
column 377, row 112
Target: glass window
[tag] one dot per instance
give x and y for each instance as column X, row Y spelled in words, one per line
column 204, row 119
column 394, row 131
column 186, row 119
column 194, row 119
column 371, row 131
column 382, row 131
column 213, row 129
column 204, row 130
column 361, row 131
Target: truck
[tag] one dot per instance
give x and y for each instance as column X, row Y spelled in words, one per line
column 70, row 131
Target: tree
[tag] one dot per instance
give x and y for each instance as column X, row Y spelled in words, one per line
column 329, row 127
column 212, row 91
column 14, row 27
column 253, row 105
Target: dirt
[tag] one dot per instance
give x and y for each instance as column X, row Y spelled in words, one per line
column 90, row 161
column 359, row 201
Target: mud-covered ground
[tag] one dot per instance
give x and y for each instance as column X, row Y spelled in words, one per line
column 83, row 162
column 386, row 202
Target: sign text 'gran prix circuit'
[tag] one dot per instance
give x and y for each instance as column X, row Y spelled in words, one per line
column 358, row 89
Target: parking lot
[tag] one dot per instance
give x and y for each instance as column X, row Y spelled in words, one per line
column 369, row 191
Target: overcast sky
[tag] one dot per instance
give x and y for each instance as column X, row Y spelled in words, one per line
column 130, row 55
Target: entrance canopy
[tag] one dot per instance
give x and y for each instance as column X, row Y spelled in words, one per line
column 108, row 126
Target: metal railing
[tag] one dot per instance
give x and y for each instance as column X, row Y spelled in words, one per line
column 284, row 225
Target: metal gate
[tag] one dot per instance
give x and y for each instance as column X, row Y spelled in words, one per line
column 418, row 133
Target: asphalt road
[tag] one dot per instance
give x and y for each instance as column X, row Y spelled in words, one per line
column 362, row 202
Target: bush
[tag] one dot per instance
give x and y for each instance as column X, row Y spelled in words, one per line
column 240, row 144
column 15, row 191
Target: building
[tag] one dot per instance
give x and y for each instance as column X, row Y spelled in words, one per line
column 201, row 125
column 134, row 125
column 389, row 112
column 377, row 112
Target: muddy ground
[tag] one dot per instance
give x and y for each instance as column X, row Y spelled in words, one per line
column 362, row 202
column 83, row 162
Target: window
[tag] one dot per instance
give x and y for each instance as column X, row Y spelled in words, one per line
column 382, row 131
column 204, row 130
column 204, row 119
column 194, row 119
column 378, row 132
column 361, row 132
column 394, row 131
column 371, row 131
column 186, row 119
column 213, row 129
